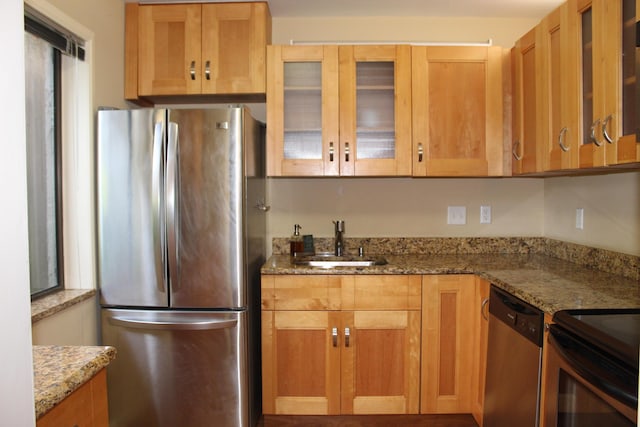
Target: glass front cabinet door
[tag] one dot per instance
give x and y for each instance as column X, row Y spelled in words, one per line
column 606, row 31
column 339, row 110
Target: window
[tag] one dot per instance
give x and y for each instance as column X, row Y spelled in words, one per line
column 45, row 51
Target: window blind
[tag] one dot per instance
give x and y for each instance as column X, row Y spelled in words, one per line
column 65, row 42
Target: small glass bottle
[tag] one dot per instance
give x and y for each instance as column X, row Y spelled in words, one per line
column 296, row 244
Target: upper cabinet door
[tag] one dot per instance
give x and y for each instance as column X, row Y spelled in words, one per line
column 227, row 29
column 195, row 49
column 302, row 111
column 338, row 110
column 528, row 148
column 560, row 95
column 168, row 49
column 457, row 101
column 607, row 47
column 375, row 110
column 620, row 81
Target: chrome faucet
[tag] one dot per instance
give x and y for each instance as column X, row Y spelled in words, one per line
column 339, row 241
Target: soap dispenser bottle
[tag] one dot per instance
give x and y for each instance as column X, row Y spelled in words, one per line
column 296, row 244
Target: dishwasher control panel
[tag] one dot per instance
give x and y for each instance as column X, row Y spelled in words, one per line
column 522, row 317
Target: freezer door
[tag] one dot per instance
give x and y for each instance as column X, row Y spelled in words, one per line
column 205, row 208
column 129, row 201
column 176, row 368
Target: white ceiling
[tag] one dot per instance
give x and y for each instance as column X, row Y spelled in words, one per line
column 482, row 8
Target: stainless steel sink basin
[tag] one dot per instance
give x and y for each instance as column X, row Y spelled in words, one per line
column 332, row 261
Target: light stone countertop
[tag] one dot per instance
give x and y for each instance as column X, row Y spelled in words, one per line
column 549, row 283
column 59, row 370
column 55, row 302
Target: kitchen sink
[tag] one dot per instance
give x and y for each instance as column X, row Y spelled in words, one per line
column 332, row 261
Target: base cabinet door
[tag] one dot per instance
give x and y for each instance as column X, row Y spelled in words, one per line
column 448, row 329
column 301, row 363
column 380, row 362
column 340, row 344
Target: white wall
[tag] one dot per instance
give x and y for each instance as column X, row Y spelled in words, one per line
column 16, row 369
column 405, row 207
column 76, row 325
column 611, row 206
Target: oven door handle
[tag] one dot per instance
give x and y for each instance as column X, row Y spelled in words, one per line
column 617, row 381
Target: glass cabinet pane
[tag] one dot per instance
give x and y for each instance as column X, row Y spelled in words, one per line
column 375, row 110
column 302, row 110
column 587, row 75
column 629, row 124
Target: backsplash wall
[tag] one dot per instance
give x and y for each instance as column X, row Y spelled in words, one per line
column 404, row 207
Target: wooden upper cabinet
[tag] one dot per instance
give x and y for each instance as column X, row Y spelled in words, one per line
column 457, row 97
column 338, row 110
column 196, row 49
column 169, row 49
column 607, row 57
column 302, row 111
column 560, row 89
column 528, row 149
column 375, row 110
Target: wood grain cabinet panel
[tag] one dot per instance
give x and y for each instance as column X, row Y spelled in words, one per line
column 85, row 407
column 448, row 343
column 196, row 49
column 560, row 83
column 331, row 347
column 457, row 107
column 528, row 148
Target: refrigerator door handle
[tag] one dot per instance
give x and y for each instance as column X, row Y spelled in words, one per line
column 172, row 204
column 186, row 325
column 158, row 215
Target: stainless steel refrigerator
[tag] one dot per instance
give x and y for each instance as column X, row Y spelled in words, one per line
column 181, row 238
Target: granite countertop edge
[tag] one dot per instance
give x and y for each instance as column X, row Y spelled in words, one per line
column 56, row 302
column 60, row 370
column 548, row 283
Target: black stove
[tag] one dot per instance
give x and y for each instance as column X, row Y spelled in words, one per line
column 612, row 331
column 610, row 339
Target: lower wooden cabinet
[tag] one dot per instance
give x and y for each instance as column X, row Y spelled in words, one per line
column 481, row 308
column 448, row 329
column 356, row 351
column 365, row 344
column 85, row 407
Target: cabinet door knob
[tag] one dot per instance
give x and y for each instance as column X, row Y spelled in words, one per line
column 420, row 152
column 605, row 133
column 207, row 70
column 334, row 336
column 192, row 70
column 346, row 151
column 331, row 151
column 347, row 335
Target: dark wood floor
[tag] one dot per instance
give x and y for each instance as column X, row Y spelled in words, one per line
column 368, row 421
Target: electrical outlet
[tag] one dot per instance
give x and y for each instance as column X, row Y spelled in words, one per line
column 457, row 215
column 485, row 214
column 580, row 219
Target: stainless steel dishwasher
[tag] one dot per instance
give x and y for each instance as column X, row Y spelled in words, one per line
column 512, row 388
